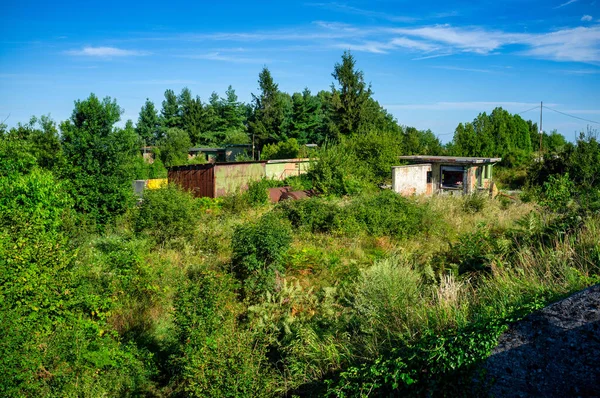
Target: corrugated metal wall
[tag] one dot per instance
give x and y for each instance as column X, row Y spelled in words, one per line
column 199, row 179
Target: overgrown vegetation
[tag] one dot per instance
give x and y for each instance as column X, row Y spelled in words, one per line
column 354, row 292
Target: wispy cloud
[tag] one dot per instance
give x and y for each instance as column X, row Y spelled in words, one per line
column 106, row 52
column 347, row 9
column 586, row 18
column 580, row 71
column 385, row 47
column 580, row 44
column 161, row 82
column 367, row 13
column 217, row 56
column 464, row 106
column 458, row 68
column 474, row 39
column 576, row 44
column 565, row 4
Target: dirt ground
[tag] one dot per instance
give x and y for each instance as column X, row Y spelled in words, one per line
column 554, row 352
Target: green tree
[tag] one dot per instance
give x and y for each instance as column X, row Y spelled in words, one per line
column 99, row 159
column 193, row 116
column 351, row 98
column 175, row 147
column 170, row 114
column 148, row 125
column 33, row 143
column 232, row 111
column 269, row 113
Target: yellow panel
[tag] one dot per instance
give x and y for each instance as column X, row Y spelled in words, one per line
column 157, row 183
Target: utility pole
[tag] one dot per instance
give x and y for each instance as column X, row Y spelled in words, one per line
column 541, row 130
column 253, row 147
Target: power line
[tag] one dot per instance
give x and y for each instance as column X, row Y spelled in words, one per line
column 575, row 117
column 535, row 107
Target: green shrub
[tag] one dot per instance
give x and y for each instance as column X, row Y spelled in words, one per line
column 258, row 249
column 334, row 173
column 384, row 214
column 257, row 193
column 167, row 214
column 301, row 182
column 283, row 150
column 214, row 358
column 474, row 203
column 557, row 193
column 55, row 337
column 313, row 214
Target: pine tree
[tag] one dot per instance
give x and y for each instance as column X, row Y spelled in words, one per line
column 148, row 125
column 351, row 99
column 269, row 113
column 192, row 115
column 232, row 111
column 170, row 114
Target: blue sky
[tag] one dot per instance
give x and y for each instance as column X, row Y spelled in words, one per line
column 431, row 64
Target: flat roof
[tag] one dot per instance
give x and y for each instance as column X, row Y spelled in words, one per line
column 197, row 149
column 449, row 159
column 294, row 160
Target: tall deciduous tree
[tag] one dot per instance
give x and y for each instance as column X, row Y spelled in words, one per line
column 148, row 125
column 99, row 158
column 351, row 98
column 174, row 148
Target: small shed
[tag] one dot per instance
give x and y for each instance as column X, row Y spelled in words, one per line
column 214, row 180
column 280, row 169
column 232, row 151
column 443, row 174
column 209, row 154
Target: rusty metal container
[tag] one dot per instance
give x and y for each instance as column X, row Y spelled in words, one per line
column 216, row 179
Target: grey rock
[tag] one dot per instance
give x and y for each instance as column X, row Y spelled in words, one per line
column 554, row 352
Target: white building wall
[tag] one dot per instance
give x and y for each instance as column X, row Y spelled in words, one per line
column 411, row 179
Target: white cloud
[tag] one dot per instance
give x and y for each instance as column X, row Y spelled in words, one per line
column 476, row 40
column 586, row 18
column 106, row 52
column 577, row 44
column 384, row 47
column 217, row 56
column 367, row 13
column 580, row 44
column 458, row 68
column 565, row 4
column 161, row 82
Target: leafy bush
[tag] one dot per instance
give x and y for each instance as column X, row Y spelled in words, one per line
column 384, row 214
column 282, row 150
column 167, row 214
column 313, row 214
column 557, row 192
column 258, row 249
column 474, row 203
column 334, row 173
column 257, row 193
column 55, row 337
column 214, row 358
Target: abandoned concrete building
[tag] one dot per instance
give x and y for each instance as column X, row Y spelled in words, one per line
column 429, row 175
